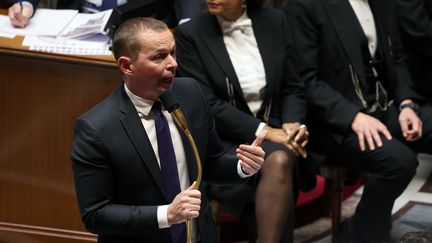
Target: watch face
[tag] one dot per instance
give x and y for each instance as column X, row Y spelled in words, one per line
column 415, row 107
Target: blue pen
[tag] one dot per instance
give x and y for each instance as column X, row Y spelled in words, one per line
column 21, row 4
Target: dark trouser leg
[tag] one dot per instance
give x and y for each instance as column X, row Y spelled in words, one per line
column 390, row 169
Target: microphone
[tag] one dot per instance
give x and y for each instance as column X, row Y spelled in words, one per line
column 170, row 102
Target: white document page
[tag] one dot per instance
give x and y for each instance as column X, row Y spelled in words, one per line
column 45, row 22
column 3, row 21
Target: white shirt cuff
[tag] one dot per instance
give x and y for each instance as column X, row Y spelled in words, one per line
column 240, row 171
column 162, row 216
column 259, row 129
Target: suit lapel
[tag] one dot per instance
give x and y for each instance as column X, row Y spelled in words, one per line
column 376, row 8
column 349, row 32
column 262, row 33
column 212, row 35
column 134, row 128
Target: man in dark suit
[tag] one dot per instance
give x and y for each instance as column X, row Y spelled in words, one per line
column 415, row 21
column 363, row 109
column 171, row 11
column 119, row 156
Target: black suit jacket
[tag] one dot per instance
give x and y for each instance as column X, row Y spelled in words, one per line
column 201, row 54
column 329, row 39
column 117, row 177
column 62, row 4
column 177, row 9
column 415, row 19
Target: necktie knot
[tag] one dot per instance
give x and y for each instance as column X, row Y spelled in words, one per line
column 244, row 25
column 157, row 107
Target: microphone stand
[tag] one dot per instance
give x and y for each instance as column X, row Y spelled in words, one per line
column 180, row 120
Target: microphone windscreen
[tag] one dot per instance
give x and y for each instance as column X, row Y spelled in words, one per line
column 169, row 101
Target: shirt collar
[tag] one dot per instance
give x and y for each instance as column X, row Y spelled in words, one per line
column 225, row 24
column 142, row 106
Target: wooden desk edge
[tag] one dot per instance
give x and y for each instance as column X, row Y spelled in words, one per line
column 93, row 60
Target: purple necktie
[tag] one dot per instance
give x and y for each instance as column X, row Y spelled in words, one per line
column 168, row 164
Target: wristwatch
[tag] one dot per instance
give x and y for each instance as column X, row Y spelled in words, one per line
column 413, row 106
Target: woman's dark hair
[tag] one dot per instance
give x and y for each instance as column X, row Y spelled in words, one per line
column 254, row 3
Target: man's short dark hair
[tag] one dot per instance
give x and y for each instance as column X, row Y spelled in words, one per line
column 126, row 41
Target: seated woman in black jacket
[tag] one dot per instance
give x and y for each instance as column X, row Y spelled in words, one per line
column 241, row 54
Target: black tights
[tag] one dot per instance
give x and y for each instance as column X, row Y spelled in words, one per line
column 275, row 199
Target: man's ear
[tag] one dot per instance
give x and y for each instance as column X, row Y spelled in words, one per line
column 124, row 64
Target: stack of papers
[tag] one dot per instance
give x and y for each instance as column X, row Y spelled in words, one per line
column 93, row 45
column 65, row 32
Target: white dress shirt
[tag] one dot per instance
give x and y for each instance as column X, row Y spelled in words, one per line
column 245, row 57
column 367, row 22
